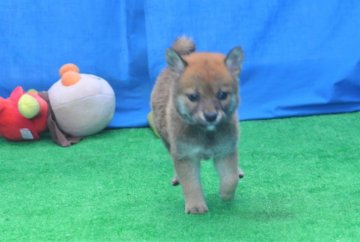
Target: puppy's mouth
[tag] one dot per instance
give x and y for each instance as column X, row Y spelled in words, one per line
column 210, row 120
column 211, row 127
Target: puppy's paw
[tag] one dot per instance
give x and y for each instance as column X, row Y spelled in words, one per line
column 197, row 208
column 175, row 181
column 227, row 196
column 241, row 173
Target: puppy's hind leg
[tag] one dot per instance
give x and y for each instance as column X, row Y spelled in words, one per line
column 241, row 173
column 175, row 181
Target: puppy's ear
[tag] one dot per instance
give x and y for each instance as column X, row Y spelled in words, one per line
column 174, row 61
column 234, row 60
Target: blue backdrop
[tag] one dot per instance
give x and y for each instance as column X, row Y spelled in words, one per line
column 302, row 57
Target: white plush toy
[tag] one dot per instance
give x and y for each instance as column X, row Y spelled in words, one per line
column 82, row 104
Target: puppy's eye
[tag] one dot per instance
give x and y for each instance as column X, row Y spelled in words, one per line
column 193, row 97
column 222, row 95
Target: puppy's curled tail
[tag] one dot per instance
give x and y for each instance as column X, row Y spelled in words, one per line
column 184, row 45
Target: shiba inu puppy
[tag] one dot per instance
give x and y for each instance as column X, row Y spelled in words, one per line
column 194, row 104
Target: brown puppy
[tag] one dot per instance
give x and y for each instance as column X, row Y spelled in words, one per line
column 194, row 104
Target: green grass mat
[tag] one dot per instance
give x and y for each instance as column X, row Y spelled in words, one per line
column 302, row 183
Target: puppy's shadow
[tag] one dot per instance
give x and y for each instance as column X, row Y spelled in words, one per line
column 261, row 210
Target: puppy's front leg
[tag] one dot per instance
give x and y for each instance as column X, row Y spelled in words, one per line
column 227, row 168
column 188, row 172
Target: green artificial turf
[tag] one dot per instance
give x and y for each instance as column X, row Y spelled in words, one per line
column 302, row 183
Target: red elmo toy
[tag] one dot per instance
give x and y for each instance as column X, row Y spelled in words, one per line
column 23, row 116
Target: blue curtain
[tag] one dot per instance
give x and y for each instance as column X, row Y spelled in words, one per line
column 302, row 57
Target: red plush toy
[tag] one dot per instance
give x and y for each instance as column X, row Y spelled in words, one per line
column 23, row 116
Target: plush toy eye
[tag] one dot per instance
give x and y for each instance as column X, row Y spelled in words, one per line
column 222, row 95
column 193, row 97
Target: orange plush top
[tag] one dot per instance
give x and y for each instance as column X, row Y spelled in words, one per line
column 69, row 74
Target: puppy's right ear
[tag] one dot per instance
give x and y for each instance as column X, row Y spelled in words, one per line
column 174, row 61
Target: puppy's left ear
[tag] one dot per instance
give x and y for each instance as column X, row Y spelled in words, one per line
column 234, row 60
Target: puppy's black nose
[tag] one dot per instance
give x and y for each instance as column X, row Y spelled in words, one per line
column 210, row 116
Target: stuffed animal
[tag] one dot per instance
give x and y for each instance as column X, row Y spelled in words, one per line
column 81, row 104
column 77, row 105
column 23, row 115
column 150, row 118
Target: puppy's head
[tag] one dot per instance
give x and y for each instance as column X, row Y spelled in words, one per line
column 206, row 90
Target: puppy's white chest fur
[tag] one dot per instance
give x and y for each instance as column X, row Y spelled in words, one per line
column 192, row 151
column 205, row 148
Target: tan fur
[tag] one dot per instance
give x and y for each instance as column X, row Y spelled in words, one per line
column 184, row 128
